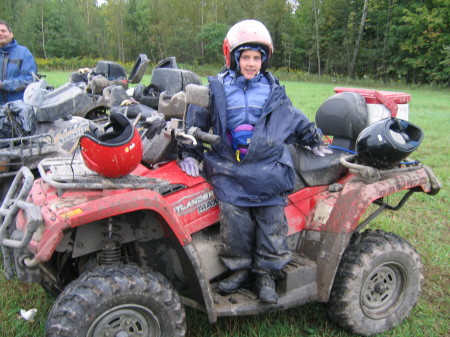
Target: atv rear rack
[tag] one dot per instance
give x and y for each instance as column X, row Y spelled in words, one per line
column 65, row 173
column 27, row 146
column 374, row 174
column 13, row 151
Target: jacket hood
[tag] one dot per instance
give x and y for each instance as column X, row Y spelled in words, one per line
column 7, row 49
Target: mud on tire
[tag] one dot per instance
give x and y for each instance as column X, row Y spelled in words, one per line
column 377, row 283
column 117, row 299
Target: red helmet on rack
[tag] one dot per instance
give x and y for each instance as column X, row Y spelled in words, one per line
column 115, row 153
column 248, row 33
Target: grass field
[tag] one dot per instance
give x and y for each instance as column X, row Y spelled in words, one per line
column 423, row 221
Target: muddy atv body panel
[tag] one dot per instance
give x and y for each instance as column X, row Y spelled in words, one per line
column 321, row 223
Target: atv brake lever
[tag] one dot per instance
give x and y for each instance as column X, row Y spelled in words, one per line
column 184, row 135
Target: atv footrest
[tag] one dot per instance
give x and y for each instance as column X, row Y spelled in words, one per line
column 246, row 302
column 65, row 173
column 297, row 286
column 299, row 271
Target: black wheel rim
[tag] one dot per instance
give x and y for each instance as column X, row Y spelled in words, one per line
column 384, row 290
column 129, row 320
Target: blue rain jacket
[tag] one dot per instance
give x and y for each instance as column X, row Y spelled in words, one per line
column 266, row 175
column 17, row 63
column 245, row 98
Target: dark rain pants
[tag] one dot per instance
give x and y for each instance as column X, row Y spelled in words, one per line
column 254, row 237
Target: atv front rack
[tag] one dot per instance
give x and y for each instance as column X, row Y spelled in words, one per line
column 66, row 173
column 14, row 201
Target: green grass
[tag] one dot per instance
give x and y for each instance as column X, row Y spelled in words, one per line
column 424, row 221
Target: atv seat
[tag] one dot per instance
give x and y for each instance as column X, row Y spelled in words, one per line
column 314, row 170
column 111, row 70
column 65, row 101
column 343, row 116
column 169, row 78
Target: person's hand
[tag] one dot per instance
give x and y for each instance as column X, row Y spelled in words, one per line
column 154, row 127
column 190, row 166
column 321, row 151
column 1, row 84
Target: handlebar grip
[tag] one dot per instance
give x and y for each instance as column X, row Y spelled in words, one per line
column 206, row 137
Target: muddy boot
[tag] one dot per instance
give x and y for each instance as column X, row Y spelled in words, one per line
column 265, row 286
column 235, row 281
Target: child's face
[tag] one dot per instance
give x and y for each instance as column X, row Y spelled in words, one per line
column 250, row 63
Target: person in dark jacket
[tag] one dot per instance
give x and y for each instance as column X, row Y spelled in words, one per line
column 251, row 169
column 16, row 66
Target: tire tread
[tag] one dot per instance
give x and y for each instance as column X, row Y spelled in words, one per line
column 83, row 296
column 356, row 258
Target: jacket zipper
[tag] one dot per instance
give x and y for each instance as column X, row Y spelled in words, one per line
column 246, row 102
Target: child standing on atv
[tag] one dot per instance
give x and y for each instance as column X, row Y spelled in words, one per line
column 251, row 169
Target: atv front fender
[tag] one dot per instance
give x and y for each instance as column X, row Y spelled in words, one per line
column 75, row 209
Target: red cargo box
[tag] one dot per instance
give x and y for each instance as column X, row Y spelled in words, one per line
column 382, row 104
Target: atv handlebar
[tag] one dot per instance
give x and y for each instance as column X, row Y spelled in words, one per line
column 199, row 95
column 203, row 136
column 195, row 95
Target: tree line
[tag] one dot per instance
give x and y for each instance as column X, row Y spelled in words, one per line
column 406, row 40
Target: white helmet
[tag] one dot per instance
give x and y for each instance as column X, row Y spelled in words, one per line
column 249, row 33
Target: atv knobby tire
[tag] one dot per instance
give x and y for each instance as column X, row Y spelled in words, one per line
column 117, row 301
column 377, row 283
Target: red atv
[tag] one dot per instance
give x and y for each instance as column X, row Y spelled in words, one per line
column 127, row 254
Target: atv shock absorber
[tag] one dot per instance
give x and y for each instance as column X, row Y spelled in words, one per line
column 111, row 251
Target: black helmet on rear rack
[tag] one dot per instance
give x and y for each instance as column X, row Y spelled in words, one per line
column 386, row 143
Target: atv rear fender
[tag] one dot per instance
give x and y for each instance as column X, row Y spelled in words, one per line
column 340, row 212
column 337, row 215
